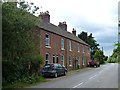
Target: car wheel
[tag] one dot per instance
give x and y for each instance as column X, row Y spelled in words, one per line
column 96, row 66
column 65, row 73
column 56, row 75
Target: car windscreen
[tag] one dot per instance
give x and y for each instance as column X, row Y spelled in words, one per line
column 48, row 67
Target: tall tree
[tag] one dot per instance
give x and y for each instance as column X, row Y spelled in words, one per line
column 91, row 41
column 17, row 31
column 18, row 48
column 99, row 56
column 83, row 36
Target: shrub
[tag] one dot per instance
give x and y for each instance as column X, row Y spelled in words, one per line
column 18, row 70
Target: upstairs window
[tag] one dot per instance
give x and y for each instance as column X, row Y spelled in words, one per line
column 83, row 50
column 70, row 48
column 62, row 44
column 47, row 40
column 88, row 50
column 78, row 48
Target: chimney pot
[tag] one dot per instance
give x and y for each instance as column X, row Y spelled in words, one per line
column 45, row 17
column 74, row 31
column 63, row 25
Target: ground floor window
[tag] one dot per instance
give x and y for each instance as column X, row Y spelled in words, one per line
column 62, row 60
column 79, row 61
column 83, row 63
column 55, row 58
column 70, row 60
column 47, row 60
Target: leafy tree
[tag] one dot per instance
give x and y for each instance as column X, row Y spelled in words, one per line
column 99, row 56
column 91, row 41
column 28, row 7
column 20, row 55
column 83, row 36
column 105, row 58
column 115, row 56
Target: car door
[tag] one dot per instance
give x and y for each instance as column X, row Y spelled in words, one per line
column 61, row 70
column 57, row 68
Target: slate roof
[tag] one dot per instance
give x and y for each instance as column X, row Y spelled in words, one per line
column 57, row 30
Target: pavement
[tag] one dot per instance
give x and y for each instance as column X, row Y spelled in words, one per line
column 105, row 76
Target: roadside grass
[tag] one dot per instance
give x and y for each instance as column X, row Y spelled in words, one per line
column 24, row 84
column 105, row 62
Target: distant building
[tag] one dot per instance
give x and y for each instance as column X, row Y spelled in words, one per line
column 57, row 45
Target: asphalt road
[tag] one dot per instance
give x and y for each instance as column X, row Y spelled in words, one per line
column 106, row 76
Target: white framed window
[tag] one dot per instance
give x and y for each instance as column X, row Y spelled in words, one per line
column 88, row 50
column 70, row 60
column 79, row 61
column 47, row 40
column 54, row 59
column 62, row 60
column 47, row 58
column 83, row 51
column 78, row 47
column 70, row 47
column 57, row 59
column 83, row 62
column 62, row 44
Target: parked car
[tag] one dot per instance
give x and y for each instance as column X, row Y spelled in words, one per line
column 53, row 70
column 93, row 63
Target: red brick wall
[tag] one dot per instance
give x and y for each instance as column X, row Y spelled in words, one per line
column 55, row 43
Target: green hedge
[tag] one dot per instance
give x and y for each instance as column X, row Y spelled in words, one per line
column 21, row 70
column 113, row 60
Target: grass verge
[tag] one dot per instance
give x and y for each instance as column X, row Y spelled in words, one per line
column 24, row 84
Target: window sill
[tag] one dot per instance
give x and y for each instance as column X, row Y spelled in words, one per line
column 70, row 65
column 70, row 50
column 62, row 49
column 48, row 46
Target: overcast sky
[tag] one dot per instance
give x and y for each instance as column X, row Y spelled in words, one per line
column 99, row 17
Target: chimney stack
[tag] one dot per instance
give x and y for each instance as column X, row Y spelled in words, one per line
column 63, row 25
column 74, row 31
column 45, row 17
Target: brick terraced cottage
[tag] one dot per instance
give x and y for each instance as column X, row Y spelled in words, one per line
column 57, row 45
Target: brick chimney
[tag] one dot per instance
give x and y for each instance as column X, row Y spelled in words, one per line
column 45, row 17
column 74, row 31
column 63, row 25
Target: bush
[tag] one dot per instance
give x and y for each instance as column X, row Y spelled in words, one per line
column 112, row 60
column 19, row 70
column 20, row 54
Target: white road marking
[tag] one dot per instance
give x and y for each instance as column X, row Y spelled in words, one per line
column 92, row 76
column 78, row 85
